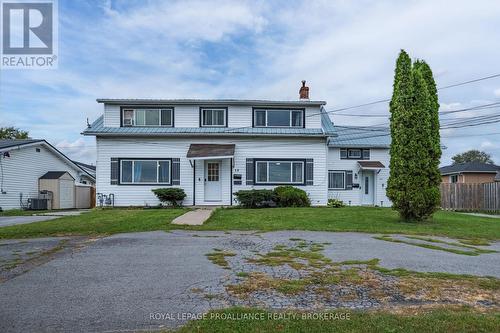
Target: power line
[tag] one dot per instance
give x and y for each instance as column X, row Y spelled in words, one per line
column 385, row 100
column 474, row 108
column 388, row 99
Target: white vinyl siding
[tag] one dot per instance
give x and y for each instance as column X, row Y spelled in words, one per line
column 189, row 116
column 158, row 148
column 23, row 168
column 353, row 196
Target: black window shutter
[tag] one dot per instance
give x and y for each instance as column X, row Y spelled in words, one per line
column 309, row 171
column 343, row 153
column 176, row 171
column 366, row 154
column 250, row 172
column 348, row 180
column 115, row 171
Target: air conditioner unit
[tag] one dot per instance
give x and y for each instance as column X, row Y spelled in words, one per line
column 38, row 204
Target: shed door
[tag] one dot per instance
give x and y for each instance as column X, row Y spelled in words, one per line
column 66, row 194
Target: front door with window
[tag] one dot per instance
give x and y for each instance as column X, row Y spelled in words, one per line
column 368, row 188
column 213, row 184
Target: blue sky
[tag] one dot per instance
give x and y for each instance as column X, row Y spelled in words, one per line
column 346, row 50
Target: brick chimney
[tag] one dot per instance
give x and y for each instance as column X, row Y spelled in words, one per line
column 304, row 91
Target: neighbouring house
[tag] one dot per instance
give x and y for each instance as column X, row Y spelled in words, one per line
column 30, row 166
column 87, row 167
column 214, row 148
column 471, row 172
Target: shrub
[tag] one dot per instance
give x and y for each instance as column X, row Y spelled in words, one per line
column 170, row 195
column 335, row 203
column 256, row 198
column 289, row 196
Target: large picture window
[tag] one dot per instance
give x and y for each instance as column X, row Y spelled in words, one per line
column 148, row 117
column 145, row 171
column 278, row 118
column 279, row 172
column 213, row 117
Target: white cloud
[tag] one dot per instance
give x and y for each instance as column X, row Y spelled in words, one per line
column 256, row 49
column 79, row 150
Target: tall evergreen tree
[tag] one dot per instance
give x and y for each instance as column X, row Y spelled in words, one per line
column 412, row 162
column 435, row 150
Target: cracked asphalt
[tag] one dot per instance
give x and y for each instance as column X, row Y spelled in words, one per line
column 128, row 281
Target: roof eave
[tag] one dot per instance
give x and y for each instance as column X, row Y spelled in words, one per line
column 88, row 133
column 208, row 102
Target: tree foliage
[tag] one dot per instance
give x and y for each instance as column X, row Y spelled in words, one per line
column 415, row 147
column 472, row 156
column 12, row 133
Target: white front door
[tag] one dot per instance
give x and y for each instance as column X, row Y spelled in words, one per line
column 213, row 184
column 368, row 188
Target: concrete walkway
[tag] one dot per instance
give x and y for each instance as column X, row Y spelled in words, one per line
column 13, row 220
column 195, row 217
column 483, row 215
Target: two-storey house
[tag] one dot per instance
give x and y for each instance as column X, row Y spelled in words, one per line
column 214, row 148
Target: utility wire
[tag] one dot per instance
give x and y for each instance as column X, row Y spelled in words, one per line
column 388, row 99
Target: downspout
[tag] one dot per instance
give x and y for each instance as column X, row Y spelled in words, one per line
column 231, row 183
column 193, row 165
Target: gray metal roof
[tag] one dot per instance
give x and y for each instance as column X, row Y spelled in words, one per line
column 358, row 136
column 85, row 165
column 16, row 142
column 326, row 123
column 202, row 102
column 98, row 128
column 475, row 167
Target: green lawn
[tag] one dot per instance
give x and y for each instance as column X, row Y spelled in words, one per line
column 434, row 321
column 360, row 219
column 98, row 221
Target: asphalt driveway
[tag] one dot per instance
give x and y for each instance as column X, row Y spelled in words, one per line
column 150, row 280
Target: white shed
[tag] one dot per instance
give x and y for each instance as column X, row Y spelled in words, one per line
column 62, row 186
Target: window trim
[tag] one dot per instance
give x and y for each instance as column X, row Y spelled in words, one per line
column 343, row 172
column 226, row 119
column 451, row 178
column 291, row 160
column 362, row 157
column 153, row 107
column 143, row 159
column 303, row 110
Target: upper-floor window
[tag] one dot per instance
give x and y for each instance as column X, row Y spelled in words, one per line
column 278, row 117
column 148, row 117
column 213, row 117
column 355, row 153
column 454, row 179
